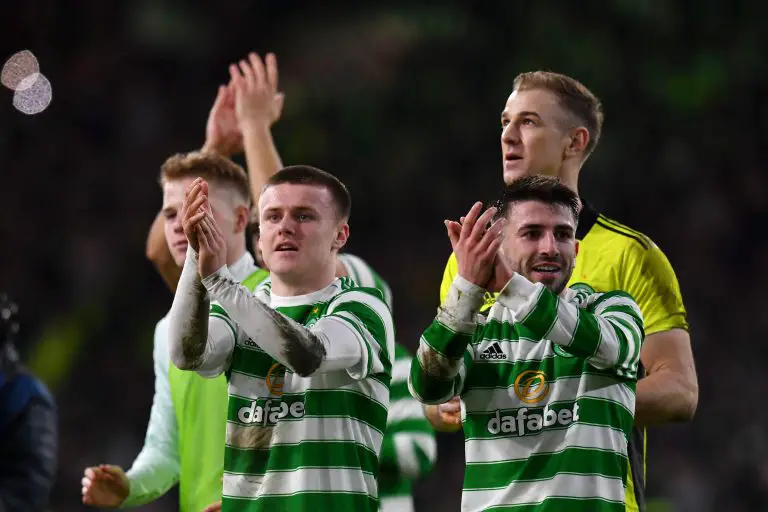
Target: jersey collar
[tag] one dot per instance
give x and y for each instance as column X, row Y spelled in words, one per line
column 587, row 219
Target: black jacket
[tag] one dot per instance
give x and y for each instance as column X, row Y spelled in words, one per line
column 28, row 442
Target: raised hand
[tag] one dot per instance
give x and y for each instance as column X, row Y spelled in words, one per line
column 254, row 86
column 222, row 132
column 105, row 486
column 193, row 209
column 475, row 246
column 213, row 247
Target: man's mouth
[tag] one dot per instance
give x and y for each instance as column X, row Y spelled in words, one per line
column 546, row 268
column 286, row 246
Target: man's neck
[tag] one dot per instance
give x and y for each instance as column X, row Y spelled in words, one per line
column 234, row 255
column 292, row 286
column 569, row 176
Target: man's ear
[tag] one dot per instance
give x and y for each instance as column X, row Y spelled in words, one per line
column 578, row 140
column 342, row 235
column 242, row 217
column 576, row 253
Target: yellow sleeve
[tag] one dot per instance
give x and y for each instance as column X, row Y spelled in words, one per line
column 451, row 269
column 651, row 281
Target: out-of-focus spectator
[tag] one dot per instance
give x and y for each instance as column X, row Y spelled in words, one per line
column 28, row 426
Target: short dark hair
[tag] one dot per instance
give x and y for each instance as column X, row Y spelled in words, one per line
column 574, row 97
column 308, row 175
column 545, row 189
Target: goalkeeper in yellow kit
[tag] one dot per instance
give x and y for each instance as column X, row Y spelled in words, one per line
column 550, row 125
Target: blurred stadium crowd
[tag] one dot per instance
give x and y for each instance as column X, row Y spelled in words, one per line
column 402, row 102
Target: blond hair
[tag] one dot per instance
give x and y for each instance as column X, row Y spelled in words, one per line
column 209, row 166
column 573, row 96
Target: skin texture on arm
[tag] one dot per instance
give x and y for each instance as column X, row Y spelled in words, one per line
column 158, row 253
column 670, row 392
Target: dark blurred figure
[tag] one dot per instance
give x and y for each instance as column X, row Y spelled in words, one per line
column 28, row 426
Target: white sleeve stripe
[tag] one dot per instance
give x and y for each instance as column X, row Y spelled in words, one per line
column 364, row 338
column 614, row 301
column 607, row 353
column 565, row 322
column 376, row 305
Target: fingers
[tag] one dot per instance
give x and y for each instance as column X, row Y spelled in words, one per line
column 205, row 237
column 272, row 75
column 492, row 236
column 213, row 507
column 450, row 407
column 112, row 471
column 469, row 220
column 198, row 186
column 454, row 232
column 258, row 72
column 481, row 224
column 235, row 78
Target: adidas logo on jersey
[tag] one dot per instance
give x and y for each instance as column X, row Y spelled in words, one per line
column 493, row 352
column 250, row 343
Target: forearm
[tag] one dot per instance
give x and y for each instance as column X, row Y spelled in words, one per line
column 156, row 468
column 302, row 350
column 438, row 360
column 665, row 396
column 608, row 334
column 261, row 155
column 188, row 318
column 152, row 474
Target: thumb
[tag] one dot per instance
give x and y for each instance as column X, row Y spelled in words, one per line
column 278, row 102
column 454, row 232
column 220, row 96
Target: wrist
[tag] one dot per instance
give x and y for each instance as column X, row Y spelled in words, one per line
column 462, row 304
column 256, row 124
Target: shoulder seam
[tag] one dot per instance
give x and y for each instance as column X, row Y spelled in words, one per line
column 619, row 225
column 638, row 237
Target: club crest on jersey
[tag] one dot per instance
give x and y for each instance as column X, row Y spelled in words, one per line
column 276, row 379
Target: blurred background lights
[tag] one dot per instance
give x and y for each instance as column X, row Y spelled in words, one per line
column 32, row 90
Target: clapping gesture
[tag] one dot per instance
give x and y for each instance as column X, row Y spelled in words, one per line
column 476, row 244
column 201, row 229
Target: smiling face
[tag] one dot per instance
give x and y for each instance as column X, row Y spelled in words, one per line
column 539, row 242
column 300, row 233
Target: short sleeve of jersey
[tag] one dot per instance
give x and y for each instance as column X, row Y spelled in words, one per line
column 651, row 281
column 451, row 269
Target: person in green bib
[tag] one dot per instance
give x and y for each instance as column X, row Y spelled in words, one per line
column 175, row 449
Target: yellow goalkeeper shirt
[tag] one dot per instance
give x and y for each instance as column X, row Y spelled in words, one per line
column 614, row 257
